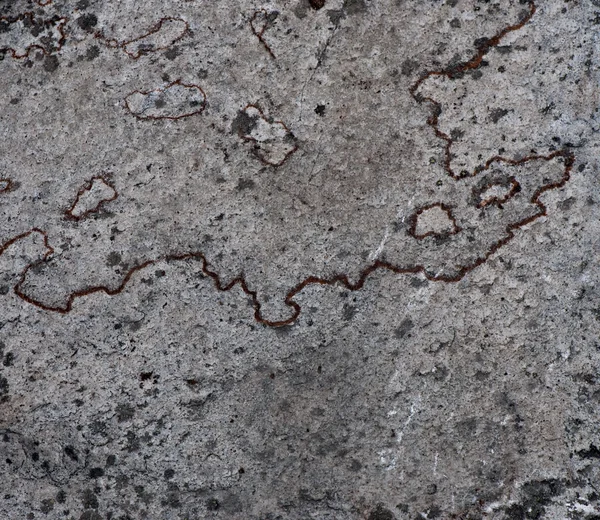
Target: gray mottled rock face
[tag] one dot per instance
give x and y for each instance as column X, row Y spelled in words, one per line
column 301, row 259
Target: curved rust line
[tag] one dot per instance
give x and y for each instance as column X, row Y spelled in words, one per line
column 59, row 27
column 253, row 140
column 86, row 187
column 260, row 34
column 515, row 188
column 164, row 89
column 412, row 230
column 116, row 44
column 452, row 72
column 342, row 279
column 43, row 3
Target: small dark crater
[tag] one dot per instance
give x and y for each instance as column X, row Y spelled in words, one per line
column 93, row 51
column 245, row 184
column 320, row 110
column 171, row 53
column 381, row 513
column 212, row 504
column 404, row 328
column 317, row 4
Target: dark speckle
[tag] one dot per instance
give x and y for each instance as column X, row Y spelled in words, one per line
column 409, row 67
column 169, row 473
column 90, row 515
column 317, row 4
column 4, row 387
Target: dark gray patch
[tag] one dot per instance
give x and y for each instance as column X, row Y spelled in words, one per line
column 171, row 53
column 381, row 513
column 125, row 412
column 348, row 312
column 455, row 23
column 50, row 63
column 335, row 15
column 87, row 22
column 245, row 184
column 243, row 124
column 497, row 114
column 93, row 51
column 355, row 7
column 405, row 327
column 47, row 505
column 567, row 204
column 408, row 67
column 113, row 259
column 4, row 388
column 90, row 515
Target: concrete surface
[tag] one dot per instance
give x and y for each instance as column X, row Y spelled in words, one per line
column 299, row 259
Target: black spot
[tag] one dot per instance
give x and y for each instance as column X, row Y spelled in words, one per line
column 320, row 110
column 71, row 453
column 47, row 505
column 455, row 23
column 89, row 499
column 169, row 473
column 8, row 359
column 96, row 472
column 592, row 453
column 87, row 22
column 4, row 387
column 61, row 497
column 111, row 460
column 317, row 4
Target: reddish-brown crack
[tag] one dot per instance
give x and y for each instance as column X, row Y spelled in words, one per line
column 478, row 191
column 342, row 279
column 43, row 3
column 86, row 187
column 412, row 230
column 164, row 89
column 60, row 24
column 116, row 44
column 484, row 46
column 261, row 156
column 260, row 34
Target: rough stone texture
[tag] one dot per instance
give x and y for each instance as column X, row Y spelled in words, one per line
column 306, row 259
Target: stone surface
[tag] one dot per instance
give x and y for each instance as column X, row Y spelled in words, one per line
column 300, row 259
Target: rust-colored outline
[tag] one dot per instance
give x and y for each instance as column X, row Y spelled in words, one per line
column 260, row 34
column 478, row 191
column 116, row 44
column 43, row 3
column 86, row 187
column 62, row 21
column 483, row 48
column 566, row 155
column 9, row 185
column 258, row 154
column 164, row 89
column 412, row 230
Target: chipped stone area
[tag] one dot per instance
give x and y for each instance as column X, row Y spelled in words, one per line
column 302, row 259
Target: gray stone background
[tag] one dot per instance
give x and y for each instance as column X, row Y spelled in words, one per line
column 179, row 177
